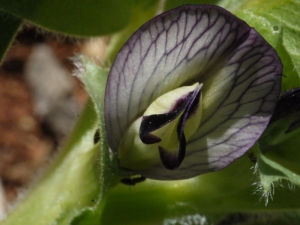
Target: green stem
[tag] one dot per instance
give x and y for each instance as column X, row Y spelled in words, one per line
column 70, row 184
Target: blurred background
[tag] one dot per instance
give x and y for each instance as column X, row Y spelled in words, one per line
column 40, row 100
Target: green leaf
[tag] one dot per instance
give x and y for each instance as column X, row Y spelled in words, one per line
column 142, row 11
column 170, row 4
column 272, row 174
column 276, row 21
column 73, row 17
column 9, row 26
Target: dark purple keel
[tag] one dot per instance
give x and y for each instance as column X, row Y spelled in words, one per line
column 188, row 105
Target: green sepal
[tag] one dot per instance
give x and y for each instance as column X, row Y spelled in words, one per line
column 279, row 166
column 94, row 79
column 275, row 133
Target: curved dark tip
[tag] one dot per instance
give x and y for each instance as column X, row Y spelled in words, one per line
column 149, row 139
column 170, row 161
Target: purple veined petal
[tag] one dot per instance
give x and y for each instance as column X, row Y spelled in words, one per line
column 239, row 70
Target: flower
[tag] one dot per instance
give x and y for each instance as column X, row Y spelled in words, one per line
column 191, row 91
